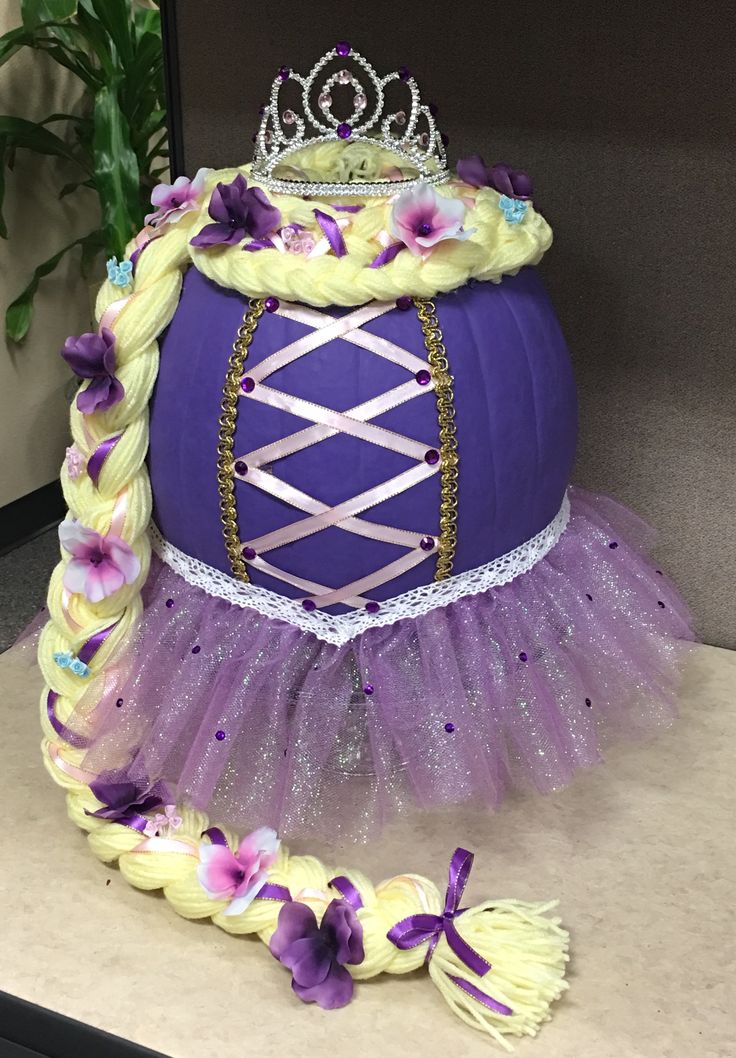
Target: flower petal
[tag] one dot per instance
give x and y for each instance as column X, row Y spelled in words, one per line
column 102, row 581
column 343, row 931
column 295, row 921
column 309, row 960
column 77, row 539
column 217, row 235
column 261, row 842
column 123, row 557
column 244, row 899
column 262, row 216
column 334, row 992
column 218, row 871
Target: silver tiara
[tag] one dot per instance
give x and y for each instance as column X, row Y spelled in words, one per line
column 410, row 133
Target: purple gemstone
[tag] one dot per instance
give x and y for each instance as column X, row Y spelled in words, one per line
column 372, row 607
column 344, row 131
column 404, row 73
column 432, row 456
column 368, row 689
column 249, row 553
column 196, row 650
column 404, row 302
column 588, row 702
column 423, row 377
column 169, row 603
column 248, row 384
column 309, row 604
column 284, row 72
column 449, row 728
column 523, row 656
column 613, row 545
column 219, row 735
column 427, row 543
column 119, row 703
column 271, row 304
column 342, row 48
column 241, row 467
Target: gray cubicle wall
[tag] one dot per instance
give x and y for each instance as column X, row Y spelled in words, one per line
column 625, row 115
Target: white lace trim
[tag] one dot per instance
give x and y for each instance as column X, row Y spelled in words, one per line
column 344, row 627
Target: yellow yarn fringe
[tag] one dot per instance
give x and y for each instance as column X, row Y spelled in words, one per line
column 526, row 947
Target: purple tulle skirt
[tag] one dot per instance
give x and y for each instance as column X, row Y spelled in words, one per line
column 258, row 722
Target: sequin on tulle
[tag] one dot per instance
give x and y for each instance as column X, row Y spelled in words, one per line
column 311, row 753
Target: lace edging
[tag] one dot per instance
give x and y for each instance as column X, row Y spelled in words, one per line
column 341, row 628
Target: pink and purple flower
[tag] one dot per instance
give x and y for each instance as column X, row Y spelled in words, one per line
column 421, row 219
column 507, row 181
column 92, row 356
column 238, row 876
column 237, row 210
column 318, row 954
column 74, row 462
column 172, row 201
column 100, row 565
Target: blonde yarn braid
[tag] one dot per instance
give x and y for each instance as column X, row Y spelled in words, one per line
column 526, row 947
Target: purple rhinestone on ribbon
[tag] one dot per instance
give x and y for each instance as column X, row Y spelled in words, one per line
column 432, row 456
column 248, row 384
column 423, row 377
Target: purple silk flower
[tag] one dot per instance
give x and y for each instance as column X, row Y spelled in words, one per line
column 505, row 180
column 92, row 356
column 318, row 954
column 237, row 210
column 123, row 799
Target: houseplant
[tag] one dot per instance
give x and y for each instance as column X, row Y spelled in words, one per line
column 117, row 139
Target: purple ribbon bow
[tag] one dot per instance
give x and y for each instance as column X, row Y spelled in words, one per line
column 125, row 801
column 428, row 928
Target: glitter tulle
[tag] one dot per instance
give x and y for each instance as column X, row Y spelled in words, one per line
column 259, row 723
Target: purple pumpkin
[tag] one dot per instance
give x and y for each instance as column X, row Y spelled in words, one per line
column 515, row 412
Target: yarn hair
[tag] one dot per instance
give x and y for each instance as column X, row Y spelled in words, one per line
column 526, row 946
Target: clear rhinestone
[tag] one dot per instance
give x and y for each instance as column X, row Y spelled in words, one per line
column 400, row 118
column 288, row 117
column 359, row 101
column 325, row 101
column 344, row 77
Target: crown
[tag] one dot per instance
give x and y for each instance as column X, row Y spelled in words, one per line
column 408, row 130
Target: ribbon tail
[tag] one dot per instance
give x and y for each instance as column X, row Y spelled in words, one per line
column 481, row 997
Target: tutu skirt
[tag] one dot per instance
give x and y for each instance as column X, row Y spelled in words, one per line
column 261, row 723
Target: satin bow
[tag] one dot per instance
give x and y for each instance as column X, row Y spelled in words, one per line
column 125, row 801
column 427, row 929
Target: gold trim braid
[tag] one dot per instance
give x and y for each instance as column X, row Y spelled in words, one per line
column 439, row 369
column 228, row 419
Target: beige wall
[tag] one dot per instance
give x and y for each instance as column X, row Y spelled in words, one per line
column 34, row 381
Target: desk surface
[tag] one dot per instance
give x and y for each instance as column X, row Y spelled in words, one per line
column 640, row 851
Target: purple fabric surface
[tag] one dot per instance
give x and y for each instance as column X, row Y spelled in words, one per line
column 520, row 685
column 516, row 422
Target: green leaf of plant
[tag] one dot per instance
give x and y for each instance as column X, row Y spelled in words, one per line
column 19, row 315
column 35, row 12
column 67, row 189
column 147, row 21
column 74, row 60
column 98, row 41
column 117, row 19
column 116, row 172
column 12, row 41
column 22, row 133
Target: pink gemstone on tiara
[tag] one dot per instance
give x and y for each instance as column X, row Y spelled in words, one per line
column 288, row 117
column 360, row 102
column 344, row 77
column 325, row 101
column 400, row 118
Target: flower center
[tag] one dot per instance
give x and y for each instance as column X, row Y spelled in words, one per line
column 424, row 229
column 239, row 876
column 96, row 557
column 175, row 202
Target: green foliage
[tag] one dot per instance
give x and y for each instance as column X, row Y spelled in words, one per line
column 117, row 138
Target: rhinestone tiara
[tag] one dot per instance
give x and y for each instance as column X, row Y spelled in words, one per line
column 410, row 133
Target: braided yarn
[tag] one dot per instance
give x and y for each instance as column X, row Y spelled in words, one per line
column 526, row 947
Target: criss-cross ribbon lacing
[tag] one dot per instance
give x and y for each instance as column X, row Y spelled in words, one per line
column 356, row 422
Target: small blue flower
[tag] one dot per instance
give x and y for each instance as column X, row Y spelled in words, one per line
column 120, row 273
column 513, row 209
column 66, row 660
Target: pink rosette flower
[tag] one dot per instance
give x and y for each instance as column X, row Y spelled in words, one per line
column 99, row 565
column 238, row 876
column 421, row 218
column 172, row 201
column 74, row 461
